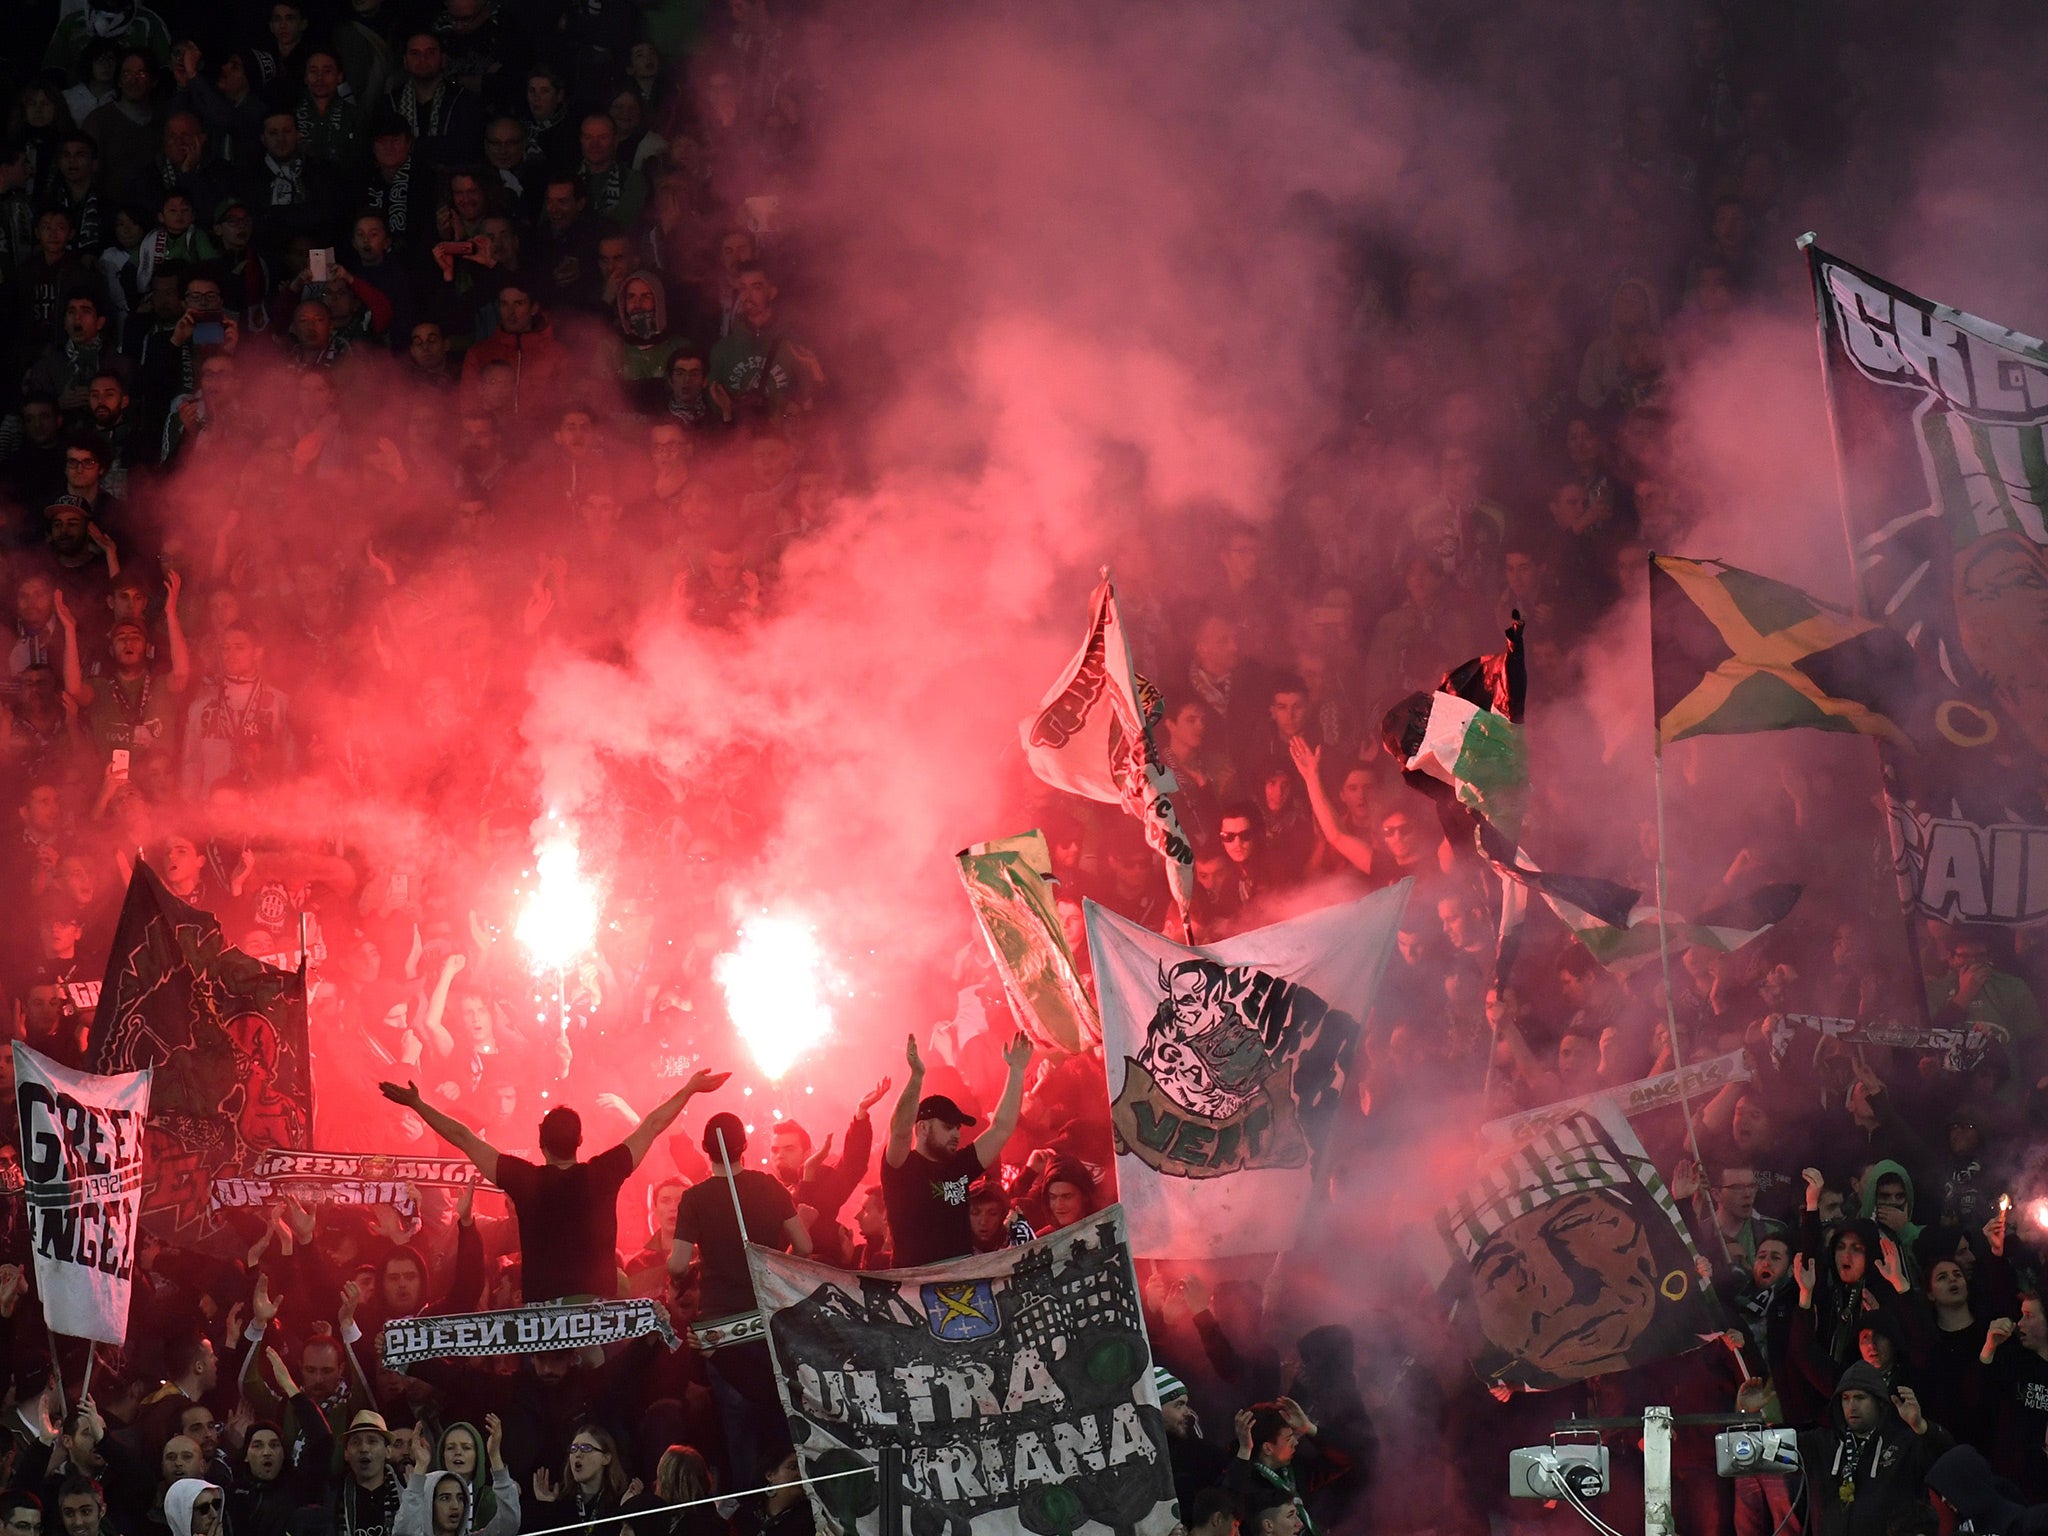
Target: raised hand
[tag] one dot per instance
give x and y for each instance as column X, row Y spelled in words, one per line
column 407, row 1095
column 874, row 1097
column 263, row 1309
column 281, row 1374
column 1890, row 1265
column 1017, row 1054
column 351, row 1298
column 1307, row 759
column 705, row 1082
column 1685, row 1179
column 1804, row 1275
column 494, row 1440
column 1243, row 1425
column 1909, row 1410
column 544, row 1487
column 910, row 1055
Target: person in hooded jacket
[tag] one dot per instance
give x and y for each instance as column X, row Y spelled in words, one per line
column 644, row 341
column 1969, row 1496
column 1326, row 1386
column 1863, row 1273
column 281, row 1475
column 1870, row 1459
column 439, row 1503
column 195, row 1507
column 1886, row 1197
column 467, row 1453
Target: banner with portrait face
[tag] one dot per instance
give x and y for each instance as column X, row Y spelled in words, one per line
column 1568, row 1258
column 1226, row 1067
column 1938, row 420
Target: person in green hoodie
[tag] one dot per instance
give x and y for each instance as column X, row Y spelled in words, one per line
column 1887, row 1199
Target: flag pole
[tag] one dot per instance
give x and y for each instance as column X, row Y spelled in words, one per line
column 57, row 1375
column 1692, row 1135
column 1807, row 243
column 731, row 1188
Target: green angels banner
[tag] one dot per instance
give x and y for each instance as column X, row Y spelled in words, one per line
column 1009, row 884
column 1938, row 420
column 1017, row 1383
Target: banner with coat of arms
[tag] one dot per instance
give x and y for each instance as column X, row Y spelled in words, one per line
column 1018, row 1384
column 1226, row 1067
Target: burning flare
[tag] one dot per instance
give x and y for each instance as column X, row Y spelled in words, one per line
column 775, row 981
column 558, row 924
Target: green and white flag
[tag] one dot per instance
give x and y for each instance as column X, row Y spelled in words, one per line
column 1008, row 884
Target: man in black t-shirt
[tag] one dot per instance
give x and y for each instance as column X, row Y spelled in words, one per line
column 568, row 1211
column 707, row 1229
column 729, row 1330
column 926, row 1170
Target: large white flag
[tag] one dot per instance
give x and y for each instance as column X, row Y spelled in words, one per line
column 82, row 1139
column 1092, row 736
column 1226, row 1067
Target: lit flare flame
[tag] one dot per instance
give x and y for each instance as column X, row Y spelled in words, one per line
column 558, row 924
column 2038, row 1209
column 775, row 981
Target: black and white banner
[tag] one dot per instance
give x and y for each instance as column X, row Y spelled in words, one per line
column 1018, row 1385
column 535, row 1330
column 1939, row 418
column 82, row 1138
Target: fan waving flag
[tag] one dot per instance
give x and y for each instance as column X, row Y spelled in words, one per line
column 1092, row 736
column 1732, row 652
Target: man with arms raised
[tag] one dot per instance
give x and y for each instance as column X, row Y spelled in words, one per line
column 926, row 1170
column 567, row 1211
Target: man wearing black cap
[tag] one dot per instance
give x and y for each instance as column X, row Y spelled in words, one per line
column 567, row 1211
column 926, row 1170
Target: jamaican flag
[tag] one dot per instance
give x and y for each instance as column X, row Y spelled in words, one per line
column 1733, row 652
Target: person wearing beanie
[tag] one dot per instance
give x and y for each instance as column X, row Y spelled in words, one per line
column 1196, row 1463
column 1870, row 1460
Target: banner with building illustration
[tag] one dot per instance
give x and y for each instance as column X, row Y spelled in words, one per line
column 1008, row 883
column 1017, row 1383
column 1568, row 1258
column 1938, row 420
column 1226, row 1066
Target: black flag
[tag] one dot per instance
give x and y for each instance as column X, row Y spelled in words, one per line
column 227, row 1037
